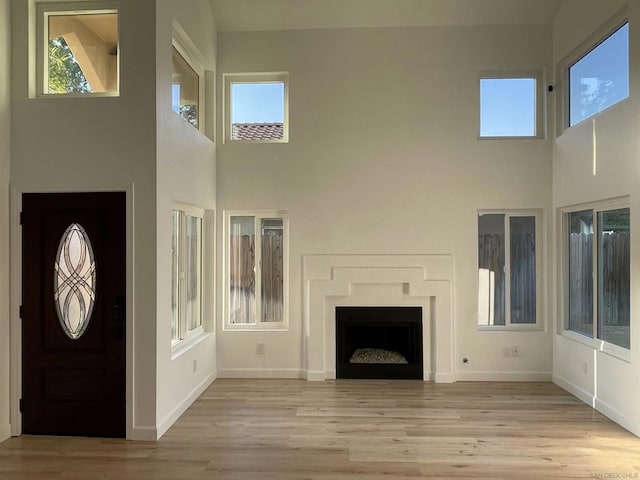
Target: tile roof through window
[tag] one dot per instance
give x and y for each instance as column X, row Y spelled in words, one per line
column 257, row 131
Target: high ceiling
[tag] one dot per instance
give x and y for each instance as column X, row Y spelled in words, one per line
column 235, row 15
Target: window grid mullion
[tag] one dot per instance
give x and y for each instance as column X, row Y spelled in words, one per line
column 507, row 270
column 258, row 268
column 182, row 254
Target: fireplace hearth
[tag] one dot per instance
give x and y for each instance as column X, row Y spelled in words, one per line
column 379, row 342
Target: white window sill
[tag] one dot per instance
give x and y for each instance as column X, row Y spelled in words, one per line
column 182, row 346
column 599, row 345
column 583, row 339
column 533, row 327
column 255, row 328
column 615, row 351
column 506, row 137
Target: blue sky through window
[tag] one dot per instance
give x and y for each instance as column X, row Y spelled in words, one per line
column 508, row 107
column 257, row 102
column 600, row 78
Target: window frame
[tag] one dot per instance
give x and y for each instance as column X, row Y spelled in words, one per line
column 253, row 77
column 563, row 301
column 192, row 56
column 593, row 41
column 538, row 216
column 539, row 123
column 257, row 326
column 43, row 10
column 186, row 335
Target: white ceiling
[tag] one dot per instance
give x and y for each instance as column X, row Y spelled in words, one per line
column 234, row 15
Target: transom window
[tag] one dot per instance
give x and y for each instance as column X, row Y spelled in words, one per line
column 256, row 107
column 599, row 78
column 510, row 105
column 256, row 270
column 78, row 49
column 597, row 239
column 509, row 290
column 187, row 81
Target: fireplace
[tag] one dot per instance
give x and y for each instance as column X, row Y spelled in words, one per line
column 379, row 342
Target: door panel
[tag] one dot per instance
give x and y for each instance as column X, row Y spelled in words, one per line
column 73, row 386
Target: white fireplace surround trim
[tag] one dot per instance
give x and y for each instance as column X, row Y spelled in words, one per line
column 420, row 280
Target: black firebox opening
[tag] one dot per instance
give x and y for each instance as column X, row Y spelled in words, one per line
column 382, row 336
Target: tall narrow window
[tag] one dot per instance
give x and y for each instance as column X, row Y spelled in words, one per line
column 186, row 86
column 581, row 272
column 507, row 270
column 608, row 252
column 614, row 261
column 256, row 272
column 186, row 273
column 79, row 51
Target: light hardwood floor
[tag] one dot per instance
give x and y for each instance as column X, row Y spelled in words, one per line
column 293, row 429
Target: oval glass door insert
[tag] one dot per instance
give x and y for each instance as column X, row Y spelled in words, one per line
column 74, row 281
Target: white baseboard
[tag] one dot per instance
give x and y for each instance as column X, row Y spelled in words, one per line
column 144, row 434
column 5, row 432
column 501, row 377
column 261, row 373
column 618, row 417
column 313, row 376
column 170, row 419
column 442, row 377
column 575, row 390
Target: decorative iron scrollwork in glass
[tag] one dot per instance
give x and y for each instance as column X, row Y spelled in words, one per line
column 74, row 281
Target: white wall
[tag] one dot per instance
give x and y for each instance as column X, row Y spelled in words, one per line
column 185, row 173
column 609, row 382
column 384, row 158
column 102, row 144
column 5, row 131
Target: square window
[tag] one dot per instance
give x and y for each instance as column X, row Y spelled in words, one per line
column 257, row 108
column 509, row 107
column 600, row 78
column 79, row 51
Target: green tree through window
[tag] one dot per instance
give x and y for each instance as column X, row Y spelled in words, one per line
column 65, row 75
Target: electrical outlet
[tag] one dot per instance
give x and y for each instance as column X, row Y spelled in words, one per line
column 195, row 364
column 506, row 351
column 260, row 348
column 515, row 350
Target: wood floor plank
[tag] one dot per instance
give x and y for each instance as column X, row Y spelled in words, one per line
column 361, row 429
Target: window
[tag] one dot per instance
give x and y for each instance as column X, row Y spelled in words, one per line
column 510, row 106
column 508, row 265
column 187, row 82
column 186, row 273
column 257, row 263
column 257, row 107
column 599, row 238
column 600, row 78
column 78, row 49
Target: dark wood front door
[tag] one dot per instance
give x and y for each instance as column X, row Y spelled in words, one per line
column 73, row 314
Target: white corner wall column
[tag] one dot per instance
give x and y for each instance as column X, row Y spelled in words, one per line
column 378, row 280
column 5, row 150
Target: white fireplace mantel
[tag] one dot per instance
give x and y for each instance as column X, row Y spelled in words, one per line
column 378, row 280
